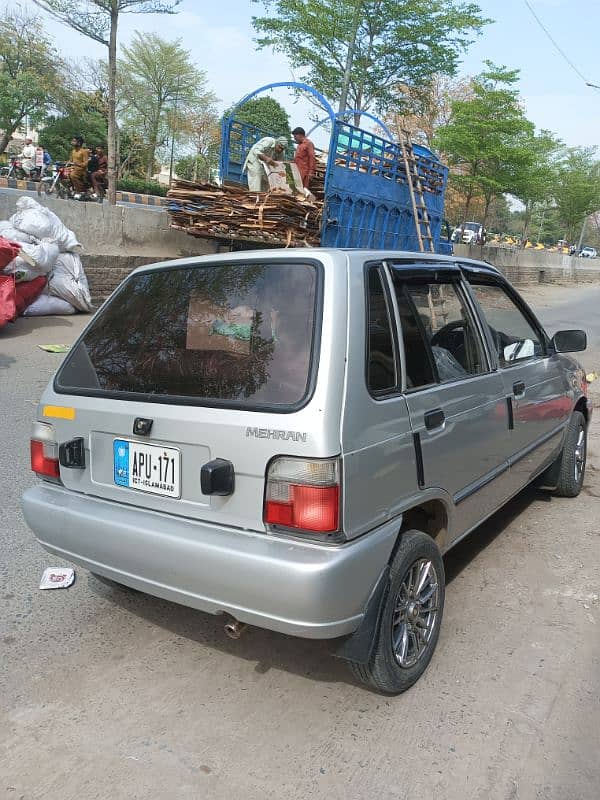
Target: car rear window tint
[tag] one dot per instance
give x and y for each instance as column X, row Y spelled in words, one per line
column 235, row 334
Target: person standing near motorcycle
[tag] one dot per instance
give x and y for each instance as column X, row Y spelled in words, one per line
column 79, row 163
column 28, row 157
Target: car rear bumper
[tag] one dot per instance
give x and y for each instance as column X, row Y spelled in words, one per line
column 303, row 589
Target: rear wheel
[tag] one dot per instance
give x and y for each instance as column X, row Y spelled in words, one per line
column 573, row 458
column 411, row 618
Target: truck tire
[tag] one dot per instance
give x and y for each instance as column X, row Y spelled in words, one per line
column 410, row 619
column 573, row 458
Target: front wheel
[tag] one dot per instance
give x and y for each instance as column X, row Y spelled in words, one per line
column 573, row 458
column 411, row 617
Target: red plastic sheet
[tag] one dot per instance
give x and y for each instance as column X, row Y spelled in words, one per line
column 8, row 251
column 8, row 299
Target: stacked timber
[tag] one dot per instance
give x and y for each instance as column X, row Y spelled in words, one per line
column 232, row 212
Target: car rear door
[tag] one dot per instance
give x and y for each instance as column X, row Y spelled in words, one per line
column 456, row 401
column 534, row 385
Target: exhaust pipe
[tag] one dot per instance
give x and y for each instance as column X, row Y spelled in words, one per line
column 234, row 628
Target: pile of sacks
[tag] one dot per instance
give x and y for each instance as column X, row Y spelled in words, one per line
column 48, row 260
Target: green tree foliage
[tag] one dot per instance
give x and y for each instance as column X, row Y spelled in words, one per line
column 30, row 73
column 577, row 191
column 99, row 20
column 265, row 113
column 58, row 131
column 488, row 141
column 161, row 88
column 392, row 42
column 536, row 182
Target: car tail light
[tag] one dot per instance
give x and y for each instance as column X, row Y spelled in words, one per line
column 44, row 451
column 303, row 494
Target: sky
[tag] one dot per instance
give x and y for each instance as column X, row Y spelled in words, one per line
column 220, row 39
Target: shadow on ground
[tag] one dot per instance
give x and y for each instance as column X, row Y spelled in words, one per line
column 309, row 658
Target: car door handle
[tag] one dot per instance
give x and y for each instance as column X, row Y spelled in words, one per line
column 519, row 388
column 434, row 419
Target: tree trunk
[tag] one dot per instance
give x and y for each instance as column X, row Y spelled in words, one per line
column 350, row 56
column 468, row 204
column 526, row 221
column 112, row 88
column 152, row 146
column 5, row 139
column 488, row 201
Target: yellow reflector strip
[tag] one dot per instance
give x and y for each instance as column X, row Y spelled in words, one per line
column 59, row 412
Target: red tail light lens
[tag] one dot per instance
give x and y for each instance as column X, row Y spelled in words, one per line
column 44, row 451
column 303, row 494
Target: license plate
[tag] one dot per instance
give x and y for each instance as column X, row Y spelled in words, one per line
column 147, row 467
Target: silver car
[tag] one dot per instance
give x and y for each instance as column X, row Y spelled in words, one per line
column 295, row 438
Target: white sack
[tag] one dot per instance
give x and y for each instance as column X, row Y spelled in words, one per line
column 14, row 235
column 41, row 259
column 46, row 306
column 68, row 281
column 38, row 221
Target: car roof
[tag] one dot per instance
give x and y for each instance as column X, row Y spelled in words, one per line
column 355, row 258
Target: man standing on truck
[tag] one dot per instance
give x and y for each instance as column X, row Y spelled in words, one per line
column 305, row 156
column 267, row 150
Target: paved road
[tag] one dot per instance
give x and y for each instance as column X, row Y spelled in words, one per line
column 106, row 693
column 19, row 192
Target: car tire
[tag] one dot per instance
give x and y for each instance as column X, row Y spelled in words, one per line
column 410, row 619
column 573, row 458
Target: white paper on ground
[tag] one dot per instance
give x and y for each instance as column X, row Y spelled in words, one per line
column 57, row 578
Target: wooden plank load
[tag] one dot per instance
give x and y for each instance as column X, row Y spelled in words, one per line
column 233, row 213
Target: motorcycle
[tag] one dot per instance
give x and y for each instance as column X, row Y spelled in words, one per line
column 16, row 172
column 60, row 185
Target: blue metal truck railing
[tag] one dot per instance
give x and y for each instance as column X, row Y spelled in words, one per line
column 367, row 199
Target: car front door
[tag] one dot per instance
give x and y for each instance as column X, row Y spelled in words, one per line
column 535, row 387
column 455, row 399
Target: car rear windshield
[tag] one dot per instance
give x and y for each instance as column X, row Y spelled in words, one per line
column 234, row 334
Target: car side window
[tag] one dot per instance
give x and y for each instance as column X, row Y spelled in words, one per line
column 382, row 369
column 437, row 323
column 513, row 335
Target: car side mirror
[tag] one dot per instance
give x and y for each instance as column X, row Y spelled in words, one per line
column 569, row 341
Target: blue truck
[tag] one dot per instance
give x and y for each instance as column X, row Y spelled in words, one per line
column 367, row 198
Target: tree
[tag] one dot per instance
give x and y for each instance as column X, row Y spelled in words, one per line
column 488, row 140
column 377, row 44
column 577, row 191
column 537, row 178
column 265, row 113
column 161, row 87
column 30, row 73
column 203, row 132
column 421, row 110
column 98, row 20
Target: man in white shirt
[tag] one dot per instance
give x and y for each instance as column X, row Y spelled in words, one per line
column 267, row 150
column 28, row 156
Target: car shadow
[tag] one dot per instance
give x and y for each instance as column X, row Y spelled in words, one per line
column 23, row 326
column 465, row 551
column 267, row 650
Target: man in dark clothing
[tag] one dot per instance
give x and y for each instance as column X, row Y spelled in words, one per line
column 305, row 156
column 98, row 176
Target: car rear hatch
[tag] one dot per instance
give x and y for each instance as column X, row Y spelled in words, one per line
column 196, row 366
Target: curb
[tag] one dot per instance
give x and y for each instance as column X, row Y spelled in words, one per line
column 124, row 197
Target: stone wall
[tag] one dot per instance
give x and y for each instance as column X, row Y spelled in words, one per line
column 119, row 230
column 523, row 267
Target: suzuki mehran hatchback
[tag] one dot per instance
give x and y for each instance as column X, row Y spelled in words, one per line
column 294, row 438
